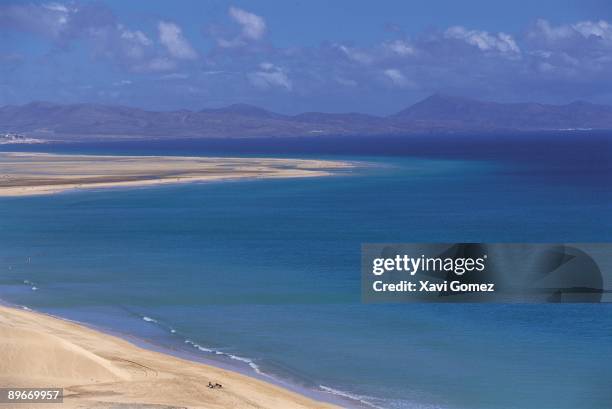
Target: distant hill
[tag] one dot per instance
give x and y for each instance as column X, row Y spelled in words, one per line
column 242, row 110
column 437, row 113
column 462, row 113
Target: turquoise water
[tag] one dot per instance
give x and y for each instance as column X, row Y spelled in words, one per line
column 264, row 276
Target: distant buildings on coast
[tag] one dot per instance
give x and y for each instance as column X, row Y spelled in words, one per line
column 15, row 138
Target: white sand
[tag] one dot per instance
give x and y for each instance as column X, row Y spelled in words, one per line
column 97, row 370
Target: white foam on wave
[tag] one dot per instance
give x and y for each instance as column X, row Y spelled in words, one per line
column 365, row 400
column 201, row 348
column 31, row 284
column 239, row 358
column 247, row 361
column 380, row 403
column 198, row 346
column 154, row 321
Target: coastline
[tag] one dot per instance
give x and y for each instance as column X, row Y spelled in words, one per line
column 229, row 169
column 45, row 350
column 26, row 174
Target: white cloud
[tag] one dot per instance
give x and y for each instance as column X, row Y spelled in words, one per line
column 56, row 7
column 397, row 78
column 48, row 19
column 544, row 29
column 171, row 37
column 62, row 13
column 601, row 29
column 355, row 54
column 502, row 42
column 136, row 36
column 157, row 64
column 253, row 26
column 65, row 23
column 400, row 47
column 584, row 29
column 570, row 51
column 252, row 29
column 134, row 43
column 270, row 76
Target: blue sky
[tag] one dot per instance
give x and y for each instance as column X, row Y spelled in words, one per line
column 295, row 56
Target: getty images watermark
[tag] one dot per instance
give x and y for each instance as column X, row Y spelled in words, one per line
column 476, row 272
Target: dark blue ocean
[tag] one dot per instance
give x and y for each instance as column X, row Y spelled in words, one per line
column 264, row 276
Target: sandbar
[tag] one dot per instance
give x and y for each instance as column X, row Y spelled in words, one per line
column 24, row 174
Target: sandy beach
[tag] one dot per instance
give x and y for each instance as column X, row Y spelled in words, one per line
column 98, row 370
column 41, row 173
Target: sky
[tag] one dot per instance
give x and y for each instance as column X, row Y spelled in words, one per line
column 296, row 56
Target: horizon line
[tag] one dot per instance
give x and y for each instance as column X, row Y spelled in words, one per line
column 250, row 105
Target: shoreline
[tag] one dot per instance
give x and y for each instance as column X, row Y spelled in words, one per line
column 133, row 368
column 216, row 169
column 34, row 173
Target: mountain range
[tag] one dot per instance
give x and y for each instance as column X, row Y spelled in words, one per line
column 437, row 113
